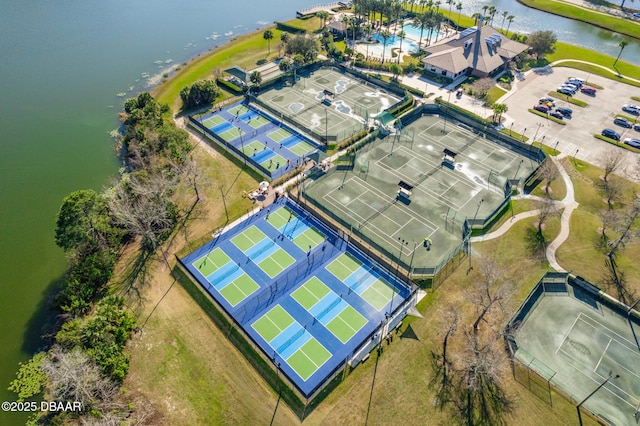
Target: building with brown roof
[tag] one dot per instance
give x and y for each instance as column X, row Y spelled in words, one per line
column 478, row 51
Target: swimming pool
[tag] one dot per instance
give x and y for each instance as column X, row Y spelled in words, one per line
column 414, row 32
column 393, row 42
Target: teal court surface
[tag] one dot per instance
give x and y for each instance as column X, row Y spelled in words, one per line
column 364, row 198
column 265, row 143
column 352, row 101
column 574, row 338
column 305, row 297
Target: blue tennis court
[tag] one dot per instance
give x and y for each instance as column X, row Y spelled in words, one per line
column 271, row 147
column 305, row 297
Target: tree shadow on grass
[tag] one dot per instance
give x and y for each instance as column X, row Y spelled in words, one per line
column 536, row 243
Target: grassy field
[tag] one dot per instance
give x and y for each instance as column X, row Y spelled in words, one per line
column 568, row 51
column 494, row 94
column 190, row 370
column 592, row 17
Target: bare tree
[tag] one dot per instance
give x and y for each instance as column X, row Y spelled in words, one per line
column 481, row 87
column 627, row 230
column 74, row 377
column 608, row 218
column 613, row 161
column 448, row 325
column 143, row 207
column 612, row 191
column 548, row 173
column 493, row 289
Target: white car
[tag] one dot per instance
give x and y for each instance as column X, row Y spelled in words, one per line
column 633, row 109
column 632, row 142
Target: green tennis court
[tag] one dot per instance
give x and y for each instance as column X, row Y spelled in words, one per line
column 213, row 121
column 301, row 148
column 345, row 324
column 362, row 280
column 211, row 262
column 378, row 294
column 231, row 134
column 310, row 293
column 251, row 148
column 283, row 217
column 276, row 263
column 343, row 266
column 248, row 238
column 274, row 163
column 279, row 135
column 304, row 354
column 258, row 121
column 239, row 109
column 239, row 289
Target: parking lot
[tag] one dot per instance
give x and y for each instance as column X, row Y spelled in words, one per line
column 576, row 137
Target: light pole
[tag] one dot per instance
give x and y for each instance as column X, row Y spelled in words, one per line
column 224, row 202
column 523, row 132
column 326, row 126
column 511, row 129
column 415, row 244
column 469, row 243
column 402, row 244
column 611, row 376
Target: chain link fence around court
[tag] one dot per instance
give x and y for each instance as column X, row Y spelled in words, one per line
column 305, row 73
column 532, row 372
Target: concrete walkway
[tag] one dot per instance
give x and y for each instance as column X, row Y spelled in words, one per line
column 568, row 204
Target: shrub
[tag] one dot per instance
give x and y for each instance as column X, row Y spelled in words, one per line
column 290, row 28
column 200, row 93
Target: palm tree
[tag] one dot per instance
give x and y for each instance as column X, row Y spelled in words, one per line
column 346, row 21
column 492, row 13
column 476, row 16
column 402, row 35
column 621, row 45
column 510, row 19
column 450, row 3
column 323, row 15
column 396, row 70
column 385, row 35
column 268, row 35
column 354, row 26
column 284, row 65
column 421, row 21
column 504, row 16
column 459, row 9
column 256, row 78
column 484, row 10
column 498, row 110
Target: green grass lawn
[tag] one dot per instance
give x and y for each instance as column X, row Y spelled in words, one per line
column 573, row 101
column 494, row 94
column 568, row 51
column 601, row 20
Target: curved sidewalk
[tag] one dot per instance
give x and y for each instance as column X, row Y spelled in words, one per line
column 568, row 204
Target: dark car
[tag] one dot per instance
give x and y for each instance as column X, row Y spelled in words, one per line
column 557, row 115
column 636, row 127
column 623, row 122
column 588, row 90
column 565, row 111
column 611, row 134
column 541, row 108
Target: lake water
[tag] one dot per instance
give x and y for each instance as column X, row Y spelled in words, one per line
column 63, row 63
column 529, row 20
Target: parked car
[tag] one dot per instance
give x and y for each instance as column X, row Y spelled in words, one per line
column 636, row 15
column 548, row 101
column 570, row 86
column 632, row 109
column 581, row 80
column 557, row 115
column 623, row 122
column 541, row 108
column 565, row 91
column 578, row 82
column 565, row 111
column 571, row 89
column 636, row 127
column 545, row 103
column 611, row 134
column 588, row 90
column 634, row 142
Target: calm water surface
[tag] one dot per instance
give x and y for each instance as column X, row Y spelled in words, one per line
column 62, row 65
column 66, row 68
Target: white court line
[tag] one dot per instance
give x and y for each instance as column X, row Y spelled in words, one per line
column 426, row 160
column 568, row 331
column 602, row 356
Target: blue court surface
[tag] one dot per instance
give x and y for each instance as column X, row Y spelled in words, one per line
column 305, row 297
column 271, row 147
